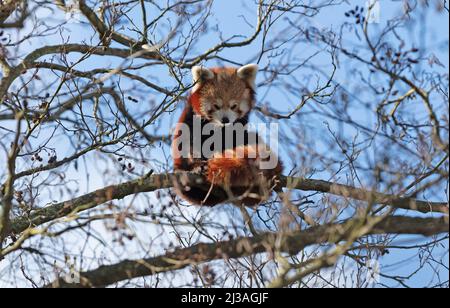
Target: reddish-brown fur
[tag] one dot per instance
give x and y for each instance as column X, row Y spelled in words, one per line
column 194, row 101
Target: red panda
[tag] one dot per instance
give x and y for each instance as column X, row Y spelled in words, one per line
column 221, row 99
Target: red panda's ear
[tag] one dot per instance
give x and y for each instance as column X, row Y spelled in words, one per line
column 248, row 73
column 199, row 75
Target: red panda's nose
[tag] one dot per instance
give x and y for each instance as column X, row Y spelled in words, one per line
column 225, row 120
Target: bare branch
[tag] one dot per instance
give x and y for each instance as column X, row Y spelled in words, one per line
column 163, row 181
column 291, row 243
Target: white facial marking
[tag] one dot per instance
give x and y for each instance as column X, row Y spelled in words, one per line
column 244, row 107
column 231, row 115
column 219, row 115
column 207, row 106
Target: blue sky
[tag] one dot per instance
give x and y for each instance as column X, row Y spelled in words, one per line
column 232, row 18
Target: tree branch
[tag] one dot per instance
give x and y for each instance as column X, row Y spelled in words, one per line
column 163, row 181
column 104, row 32
column 28, row 61
column 347, row 191
column 269, row 242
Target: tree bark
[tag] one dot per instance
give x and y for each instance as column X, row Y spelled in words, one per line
column 163, row 181
column 291, row 243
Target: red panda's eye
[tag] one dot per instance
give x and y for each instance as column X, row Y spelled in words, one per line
column 217, row 107
column 234, row 107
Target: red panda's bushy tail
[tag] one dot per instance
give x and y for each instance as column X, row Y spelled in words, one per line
column 238, row 171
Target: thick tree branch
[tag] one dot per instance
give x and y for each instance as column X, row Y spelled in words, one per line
column 291, row 243
column 405, row 203
column 163, row 181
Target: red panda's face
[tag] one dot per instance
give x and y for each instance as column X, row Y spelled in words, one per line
column 224, row 95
